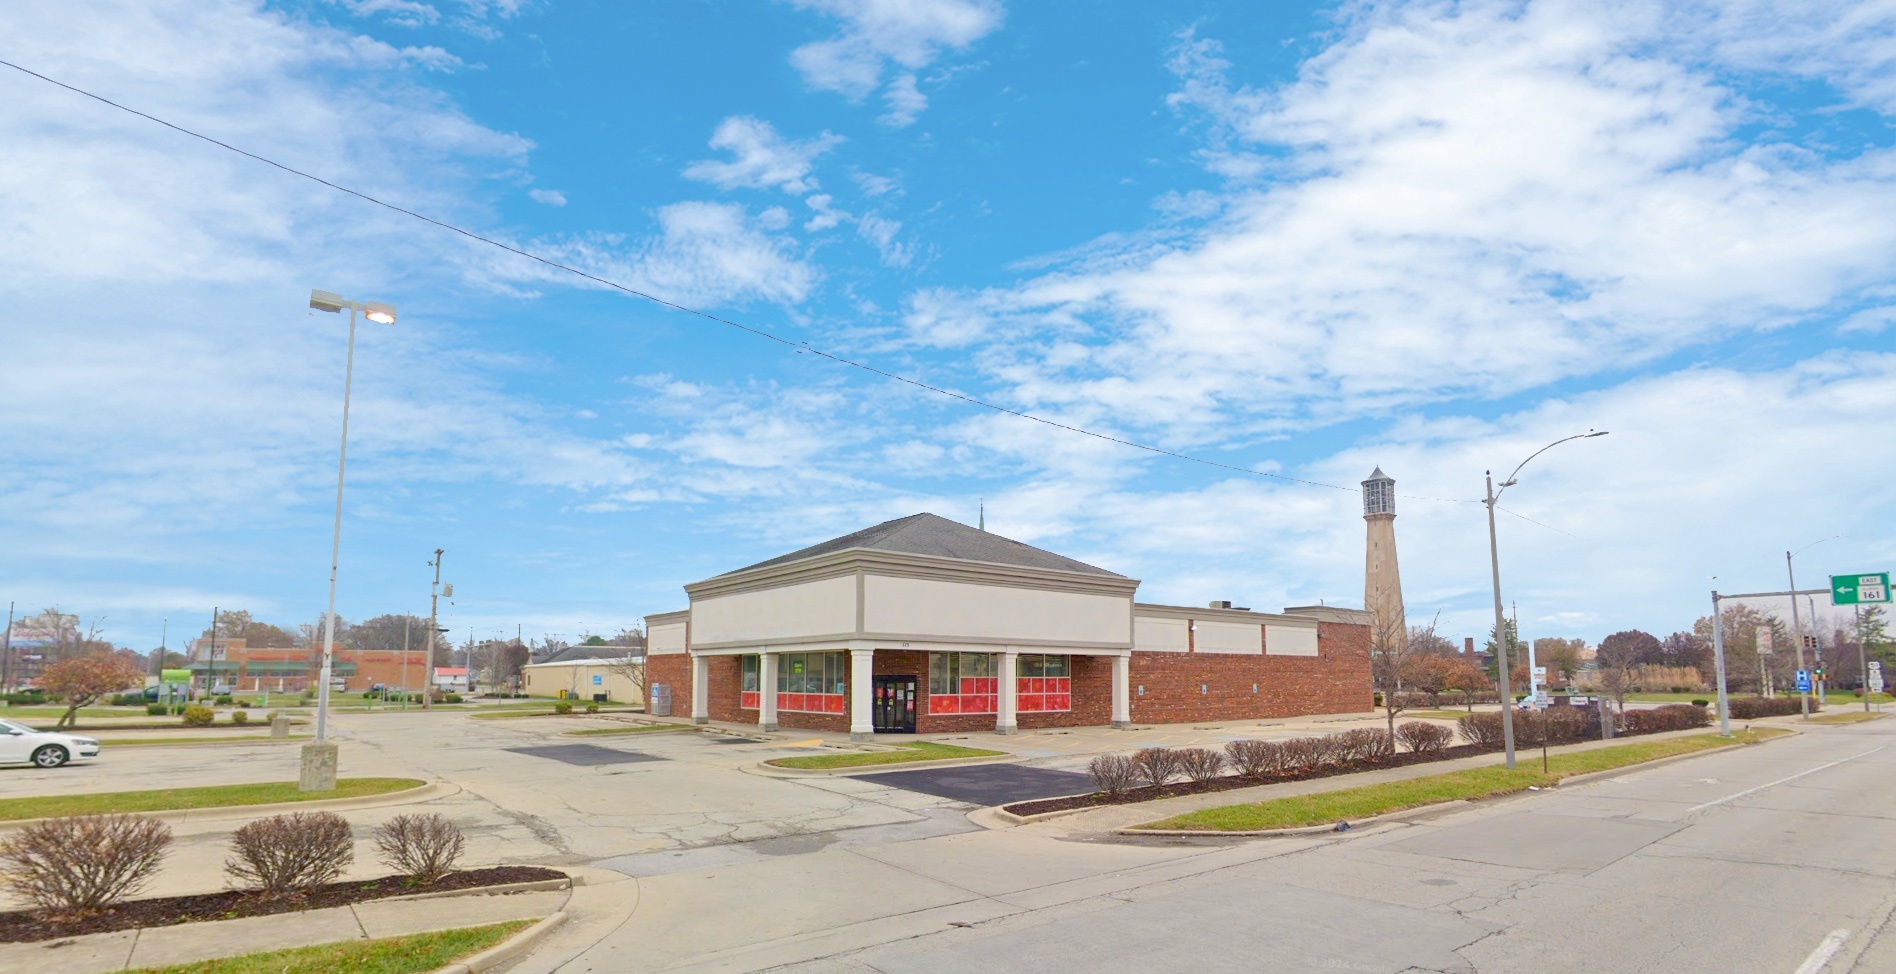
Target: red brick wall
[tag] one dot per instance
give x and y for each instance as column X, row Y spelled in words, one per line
column 1337, row 680
column 727, row 702
column 672, row 670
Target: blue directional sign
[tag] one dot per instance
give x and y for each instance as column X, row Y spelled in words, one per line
column 1803, row 681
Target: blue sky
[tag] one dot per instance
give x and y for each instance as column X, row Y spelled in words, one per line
column 1304, row 241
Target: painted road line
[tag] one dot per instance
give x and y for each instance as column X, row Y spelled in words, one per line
column 1774, row 784
column 1823, row 952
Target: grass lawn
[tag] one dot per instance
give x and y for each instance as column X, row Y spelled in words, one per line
column 631, row 729
column 916, row 751
column 395, row 955
column 176, row 799
column 1371, row 800
column 103, row 713
column 1835, row 699
column 1851, row 717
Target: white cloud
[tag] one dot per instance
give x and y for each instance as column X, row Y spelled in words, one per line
column 1466, row 200
column 762, row 159
column 908, row 34
column 703, row 253
column 881, row 232
column 824, row 215
column 551, row 197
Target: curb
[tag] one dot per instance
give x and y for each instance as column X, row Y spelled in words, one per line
column 530, row 886
column 769, row 771
column 506, row 950
column 427, row 791
column 1434, row 807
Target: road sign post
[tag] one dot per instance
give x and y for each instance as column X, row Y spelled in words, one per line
column 1803, row 681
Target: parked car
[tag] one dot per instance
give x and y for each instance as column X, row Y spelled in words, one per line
column 20, row 744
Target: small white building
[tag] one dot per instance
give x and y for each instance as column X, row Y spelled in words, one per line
column 450, row 679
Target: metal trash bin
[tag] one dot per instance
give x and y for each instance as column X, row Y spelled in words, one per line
column 661, row 700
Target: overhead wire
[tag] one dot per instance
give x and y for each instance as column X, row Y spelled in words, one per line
column 798, row 346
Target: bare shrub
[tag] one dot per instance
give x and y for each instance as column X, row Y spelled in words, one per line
column 286, row 855
column 1201, row 765
column 72, row 867
column 1157, row 765
column 423, row 847
column 1255, row 759
column 1363, row 744
column 1113, row 774
column 1672, row 716
column 1305, row 753
column 1422, row 737
column 1481, row 730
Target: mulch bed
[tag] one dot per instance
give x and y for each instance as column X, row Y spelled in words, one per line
column 27, row 925
column 1100, row 799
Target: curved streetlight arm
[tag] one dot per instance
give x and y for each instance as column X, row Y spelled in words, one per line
column 1509, row 482
column 1814, row 544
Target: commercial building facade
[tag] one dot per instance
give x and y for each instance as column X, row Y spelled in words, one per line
column 925, row 625
column 291, row 669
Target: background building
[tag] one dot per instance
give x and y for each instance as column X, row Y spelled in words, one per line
column 925, row 625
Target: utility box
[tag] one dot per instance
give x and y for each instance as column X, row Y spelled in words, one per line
column 661, row 700
column 599, row 698
column 280, row 726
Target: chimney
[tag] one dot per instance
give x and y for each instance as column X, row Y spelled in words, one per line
column 1468, row 645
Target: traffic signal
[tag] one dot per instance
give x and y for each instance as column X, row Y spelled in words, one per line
column 1810, row 642
column 1820, row 672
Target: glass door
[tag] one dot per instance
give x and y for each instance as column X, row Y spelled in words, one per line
column 894, row 705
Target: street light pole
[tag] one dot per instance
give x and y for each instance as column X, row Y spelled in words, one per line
column 319, row 756
column 1500, row 632
column 1718, row 661
column 1500, row 625
column 434, row 629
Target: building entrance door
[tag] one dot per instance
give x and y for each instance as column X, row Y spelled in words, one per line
column 894, row 707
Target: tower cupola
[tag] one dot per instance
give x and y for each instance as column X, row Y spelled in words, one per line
column 1379, row 494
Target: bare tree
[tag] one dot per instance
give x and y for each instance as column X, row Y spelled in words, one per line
column 631, row 666
column 1618, row 660
column 1393, row 656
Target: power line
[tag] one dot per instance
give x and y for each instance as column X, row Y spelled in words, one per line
column 800, row 347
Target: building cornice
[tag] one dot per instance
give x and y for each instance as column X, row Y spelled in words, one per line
column 677, row 617
column 903, row 565
column 1148, row 610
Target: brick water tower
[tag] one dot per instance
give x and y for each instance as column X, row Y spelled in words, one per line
column 1382, row 579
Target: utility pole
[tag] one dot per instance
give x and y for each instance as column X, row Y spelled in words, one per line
column 434, row 627
column 210, row 665
column 1718, row 658
column 405, row 621
column 1797, row 633
column 6, row 655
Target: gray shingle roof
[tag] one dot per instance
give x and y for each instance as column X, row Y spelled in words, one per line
column 930, row 534
column 572, row 653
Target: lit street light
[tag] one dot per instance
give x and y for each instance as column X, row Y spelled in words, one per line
column 1500, row 632
column 319, row 756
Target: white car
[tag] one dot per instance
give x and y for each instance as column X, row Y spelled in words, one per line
column 20, row 744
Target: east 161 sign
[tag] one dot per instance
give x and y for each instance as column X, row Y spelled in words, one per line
column 1859, row 589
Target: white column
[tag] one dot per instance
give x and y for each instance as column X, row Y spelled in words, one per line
column 767, row 692
column 862, row 723
column 1122, row 691
column 700, row 689
column 1008, row 721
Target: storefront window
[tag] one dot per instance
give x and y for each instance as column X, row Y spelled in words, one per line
column 963, row 683
column 748, row 697
column 1044, row 684
column 813, row 682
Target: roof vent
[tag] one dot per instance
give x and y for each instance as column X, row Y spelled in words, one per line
column 1221, row 604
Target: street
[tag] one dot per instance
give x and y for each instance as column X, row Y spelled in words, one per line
column 1765, row 859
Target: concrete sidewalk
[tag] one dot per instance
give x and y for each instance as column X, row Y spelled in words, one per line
column 99, row 953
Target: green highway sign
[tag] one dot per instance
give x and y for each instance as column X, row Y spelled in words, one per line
column 1859, row 589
